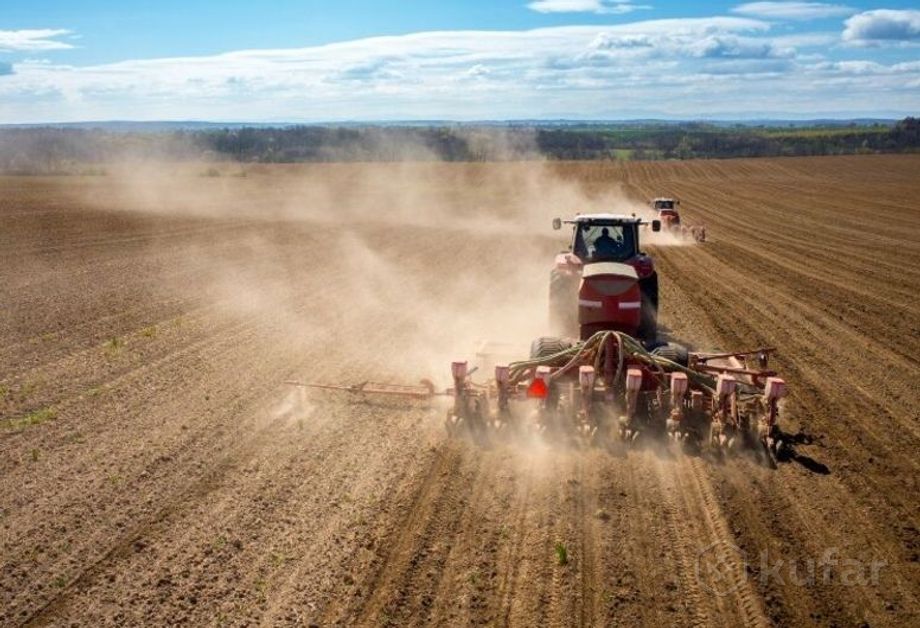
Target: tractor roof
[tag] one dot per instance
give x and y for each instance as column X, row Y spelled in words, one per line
column 605, row 218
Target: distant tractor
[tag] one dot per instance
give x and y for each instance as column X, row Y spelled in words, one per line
column 667, row 212
column 666, row 209
column 604, row 281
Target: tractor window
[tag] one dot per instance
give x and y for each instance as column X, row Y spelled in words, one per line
column 664, row 204
column 608, row 243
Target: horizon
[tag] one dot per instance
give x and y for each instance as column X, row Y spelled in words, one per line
column 311, row 62
column 534, row 122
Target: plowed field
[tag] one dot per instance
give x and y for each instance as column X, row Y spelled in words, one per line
column 154, row 468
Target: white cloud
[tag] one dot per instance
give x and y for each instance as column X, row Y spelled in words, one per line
column 792, row 10
column 883, row 26
column 35, row 40
column 807, row 40
column 870, row 68
column 705, row 67
column 586, row 6
column 741, row 70
column 732, row 47
column 477, row 71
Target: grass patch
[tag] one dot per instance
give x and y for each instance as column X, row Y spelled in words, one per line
column 562, row 553
column 22, row 395
column 113, row 345
column 37, row 417
column 75, row 438
column 261, row 588
column 149, row 332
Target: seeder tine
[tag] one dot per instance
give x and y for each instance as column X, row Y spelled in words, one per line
column 679, row 383
column 633, row 380
column 458, row 370
column 725, row 385
column 774, row 389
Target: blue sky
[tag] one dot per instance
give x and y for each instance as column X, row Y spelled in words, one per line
column 312, row 60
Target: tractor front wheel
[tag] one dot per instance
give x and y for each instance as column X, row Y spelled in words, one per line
column 546, row 346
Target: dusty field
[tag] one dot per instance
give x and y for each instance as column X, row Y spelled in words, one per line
column 154, row 469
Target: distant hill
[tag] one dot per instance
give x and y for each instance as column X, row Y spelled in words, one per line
column 165, row 126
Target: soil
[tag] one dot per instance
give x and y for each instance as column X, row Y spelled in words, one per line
column 156, row 469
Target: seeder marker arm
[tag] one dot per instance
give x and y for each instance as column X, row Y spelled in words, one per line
column 425, row 390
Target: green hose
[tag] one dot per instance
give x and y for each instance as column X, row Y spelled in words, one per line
column 568, row 358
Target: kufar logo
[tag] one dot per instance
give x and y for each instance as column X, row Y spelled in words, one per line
column 722, row 568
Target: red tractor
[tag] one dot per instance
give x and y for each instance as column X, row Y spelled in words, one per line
column 604, row 281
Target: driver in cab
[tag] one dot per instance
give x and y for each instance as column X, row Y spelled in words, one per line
column 605, row 246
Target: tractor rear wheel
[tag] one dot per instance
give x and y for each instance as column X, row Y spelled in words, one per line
column 673, row 352
column 548, row 345
column 648, row 315
column 563, row 303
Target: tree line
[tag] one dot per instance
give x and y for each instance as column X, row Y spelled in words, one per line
column 707, row 141
column 67, row 150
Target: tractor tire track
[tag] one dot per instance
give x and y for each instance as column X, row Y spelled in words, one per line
column 423, row 521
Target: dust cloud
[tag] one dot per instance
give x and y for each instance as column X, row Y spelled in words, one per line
column 395, row 269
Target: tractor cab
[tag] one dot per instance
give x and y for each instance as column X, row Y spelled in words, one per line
column 605, row 237
column 605, row 242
